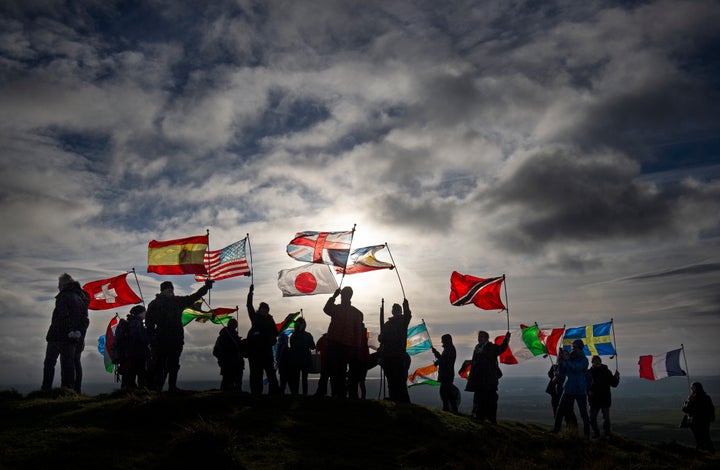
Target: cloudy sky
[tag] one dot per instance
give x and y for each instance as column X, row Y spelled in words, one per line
column 572, row 146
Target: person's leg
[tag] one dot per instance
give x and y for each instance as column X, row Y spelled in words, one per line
column 256, row 375
column 492, row 406
column 67, row 365
column 173, row 365
column 606, row 419
column 561, row 411
column 77, row 355
column 593, row 420
column 269, row 367
column 52, row 351
column 304, row 379
column 582, row 405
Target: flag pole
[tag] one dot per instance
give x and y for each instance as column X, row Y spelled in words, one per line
column 138, row 284
column 247, row 235
column 507, row 304
column 381, row 389
column 687, row 372
column 352, row 235
column 428, row 332
column 207, row 275
column 396, row 270
column 612, row 327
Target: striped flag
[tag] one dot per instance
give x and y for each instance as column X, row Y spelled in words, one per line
column 182, row 256
column 524, row 344
column 418, row 339
column 661, row 366
column 231, row 261
column 484, row 293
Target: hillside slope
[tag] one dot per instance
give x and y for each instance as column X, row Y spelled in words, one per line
column 219, row 430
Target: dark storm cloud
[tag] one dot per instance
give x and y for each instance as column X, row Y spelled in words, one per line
column 559, row 195
column 706, row 268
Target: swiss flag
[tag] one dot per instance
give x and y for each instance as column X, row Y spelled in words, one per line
column 110, row 293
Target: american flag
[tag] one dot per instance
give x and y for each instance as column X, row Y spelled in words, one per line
column 228, row 262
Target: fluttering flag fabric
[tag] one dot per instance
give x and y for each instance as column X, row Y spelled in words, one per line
column 661, row 366
column 597, row 339
column 181, row 256
column 465, row 368
column 418, row 339
column 289, row 323
column 483, row 293
column 309, row 279
column 425, row 372
column 109, row 340
column 231, row 261
column 218, row 316
column 363, row 260
column 321, row 247
column 551, row 338
column 524, row 344
column 110, row 293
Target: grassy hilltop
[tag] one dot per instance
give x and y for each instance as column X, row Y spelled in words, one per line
column 216, row 430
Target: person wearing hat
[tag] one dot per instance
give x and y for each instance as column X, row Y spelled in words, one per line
column 165, row 331
column 445, row 362
column 131, row 344
column 66, row 335
column 575, row 368
column 261, row 338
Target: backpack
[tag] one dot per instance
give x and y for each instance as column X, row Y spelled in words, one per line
column 119, row 346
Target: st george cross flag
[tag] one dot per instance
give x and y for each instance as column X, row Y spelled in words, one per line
column 524, row 344
column 321, row 247
column 181, row 256
column 661, row 366
column 418, row 339
column 309, row 279
column 110, row 293
column 596, row 338
column 231, row 261
column 363, row 260
column 484, row 293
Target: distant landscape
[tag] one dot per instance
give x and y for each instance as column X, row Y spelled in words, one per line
column 642, row 409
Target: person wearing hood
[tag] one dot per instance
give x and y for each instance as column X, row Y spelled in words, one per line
column 66, row 335
column 230, row 352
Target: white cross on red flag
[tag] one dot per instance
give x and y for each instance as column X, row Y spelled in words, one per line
column 110, row 293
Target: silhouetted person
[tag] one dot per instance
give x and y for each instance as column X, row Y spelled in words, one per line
column 262, row 336
column 484, row 376
column 321, row 347
column 344, row 340
column 393, row 352
column 574, row 367
column 555, row 389
column 599, row 395
column 165, row 330
column 701, row 412
column 66, row 335
column 358, row 373
column 301, row 344
column 282, row 360
column 445, row 362
column 229, row 350
column 132, row 349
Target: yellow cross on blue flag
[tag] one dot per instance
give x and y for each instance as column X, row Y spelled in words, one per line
column 596, row 338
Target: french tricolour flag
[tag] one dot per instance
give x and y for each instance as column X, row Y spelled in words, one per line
column 661, row 366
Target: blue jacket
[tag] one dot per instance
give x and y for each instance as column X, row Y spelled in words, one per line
column 574, row 370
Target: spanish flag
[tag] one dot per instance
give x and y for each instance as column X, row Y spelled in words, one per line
column 183, row 256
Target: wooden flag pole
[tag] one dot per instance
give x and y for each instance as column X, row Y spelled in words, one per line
column 247, row 235
column 612, row 327
column 507, row 304
column 381, row 390
column 396, row 270
column 352, row 235
column 138, row 284
column 687, row 372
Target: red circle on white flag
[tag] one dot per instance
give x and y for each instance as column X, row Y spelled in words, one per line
column 305, row 283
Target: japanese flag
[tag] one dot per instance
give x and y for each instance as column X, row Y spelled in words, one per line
column 309, row 279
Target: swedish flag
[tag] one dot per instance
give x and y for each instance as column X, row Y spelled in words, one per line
column 596, row 338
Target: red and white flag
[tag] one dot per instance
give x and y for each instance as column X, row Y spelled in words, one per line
column 309, row 279
column 110, row 293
